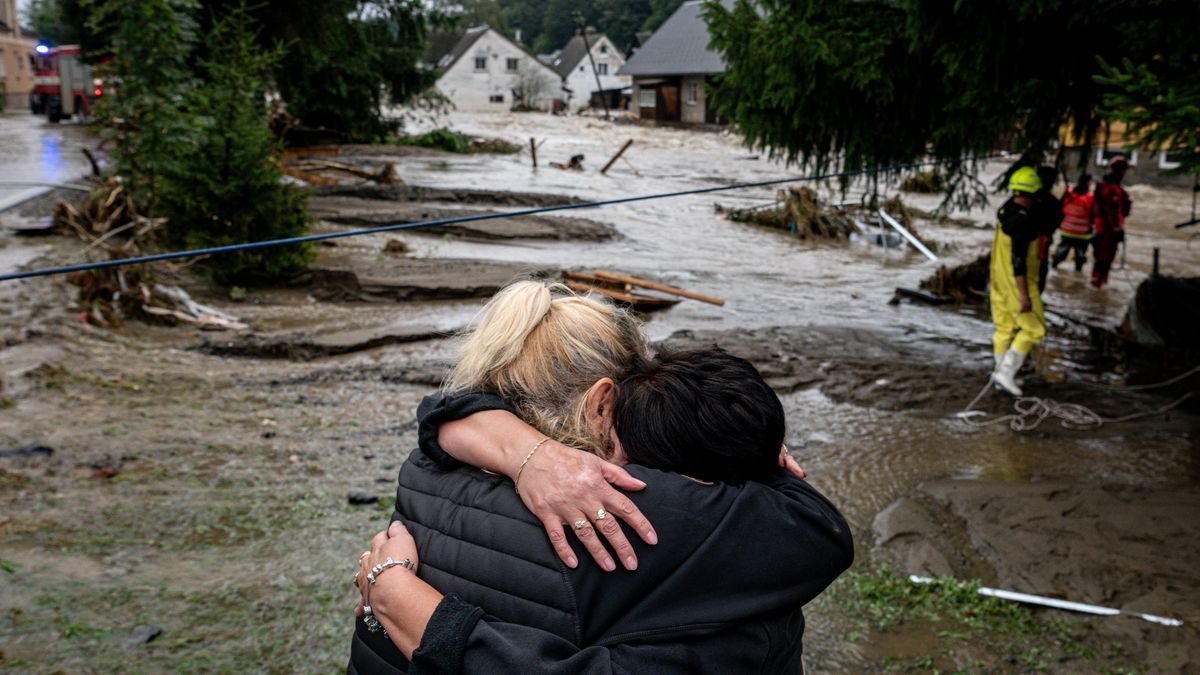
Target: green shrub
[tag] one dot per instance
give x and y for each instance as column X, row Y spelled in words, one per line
column 226, row 186
column 440, row 139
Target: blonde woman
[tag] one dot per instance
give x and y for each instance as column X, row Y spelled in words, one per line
column 724, row 590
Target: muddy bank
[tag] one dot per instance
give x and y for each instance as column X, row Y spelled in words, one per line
column 417, row 193
column 873, row 370
column 1127, row 547
column 301, row 346
column 362, row 212
column 340, row 277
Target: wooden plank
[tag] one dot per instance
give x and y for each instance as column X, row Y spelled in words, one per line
column 654, row 285
column 593, row 279
column 617, row 156
column 642, row 302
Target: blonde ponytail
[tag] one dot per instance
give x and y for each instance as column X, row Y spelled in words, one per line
column 542, row 347
column 498, row 332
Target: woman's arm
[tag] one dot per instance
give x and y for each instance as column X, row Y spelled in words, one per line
column 558, row 484
column 446, row 635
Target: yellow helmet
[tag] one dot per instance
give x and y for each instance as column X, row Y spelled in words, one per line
column 1025, row 179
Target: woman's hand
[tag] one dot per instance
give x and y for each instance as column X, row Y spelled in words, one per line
column 395, row 543
column 402, row 603
column 563, row 486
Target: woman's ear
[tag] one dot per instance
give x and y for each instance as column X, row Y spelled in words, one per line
column 598, row 406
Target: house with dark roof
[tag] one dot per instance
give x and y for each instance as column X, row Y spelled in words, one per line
column 480, row 70
column 671, row 68
column 579, row 81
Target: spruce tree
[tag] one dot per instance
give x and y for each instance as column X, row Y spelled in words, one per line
column 226, row 187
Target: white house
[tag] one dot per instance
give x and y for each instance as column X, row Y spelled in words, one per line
column 482, row 70
column 579, row 82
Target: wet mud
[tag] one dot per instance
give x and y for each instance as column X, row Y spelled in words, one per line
column 361, row 212
column 416, row 193
column 1119, row 546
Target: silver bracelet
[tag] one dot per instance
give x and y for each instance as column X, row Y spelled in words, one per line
column 368, row 615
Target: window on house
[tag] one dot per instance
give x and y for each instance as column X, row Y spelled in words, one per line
column 602, row 68
column 1170, row 159
column 646, row 98
column 693, row 93
column 511, row 65
column 496, row 98
column 480, row 63
column 603, row 49
column 1104, row 154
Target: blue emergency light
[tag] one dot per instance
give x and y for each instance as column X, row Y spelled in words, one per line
column 42, row 49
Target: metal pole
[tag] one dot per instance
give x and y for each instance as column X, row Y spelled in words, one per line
column 583, row 33
column 907, row 235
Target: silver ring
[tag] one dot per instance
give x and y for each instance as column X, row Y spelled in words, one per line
column 579, row 524
column 601, row 514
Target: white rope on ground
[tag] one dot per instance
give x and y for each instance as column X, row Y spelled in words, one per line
column 1031, row 411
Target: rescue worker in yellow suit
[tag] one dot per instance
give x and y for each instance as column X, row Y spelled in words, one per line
column 1017, row 309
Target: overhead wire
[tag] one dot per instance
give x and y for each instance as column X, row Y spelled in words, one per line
column 325, row 236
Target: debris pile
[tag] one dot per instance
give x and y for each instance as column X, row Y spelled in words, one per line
column 798, row 211
column 964, row 284
column 108, row 221
column 924, row 182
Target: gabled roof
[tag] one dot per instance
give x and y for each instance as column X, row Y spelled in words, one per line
column 574, row 52
column 678, row 47
column 445, row 49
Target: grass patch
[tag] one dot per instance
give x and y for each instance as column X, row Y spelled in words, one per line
column 951, row 622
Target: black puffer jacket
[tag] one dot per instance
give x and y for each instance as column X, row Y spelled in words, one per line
column 721, row 592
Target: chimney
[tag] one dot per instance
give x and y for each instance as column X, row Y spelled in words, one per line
column 518, row 36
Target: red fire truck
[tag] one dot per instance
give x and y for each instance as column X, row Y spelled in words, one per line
column 64, row 85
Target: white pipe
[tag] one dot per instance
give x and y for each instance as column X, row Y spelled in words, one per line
column 1058, row 604
column 907, row 235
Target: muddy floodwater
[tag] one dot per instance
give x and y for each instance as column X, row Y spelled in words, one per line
column 196, row 482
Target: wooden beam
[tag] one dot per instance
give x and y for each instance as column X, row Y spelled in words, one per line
column 617, row 156
column 654, row 285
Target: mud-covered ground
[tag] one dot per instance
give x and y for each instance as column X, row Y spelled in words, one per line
column 196, row 482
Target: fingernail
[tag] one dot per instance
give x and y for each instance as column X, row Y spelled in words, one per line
column 572, row 562
column 631, row 563
column 609, row 565
column 652, row 537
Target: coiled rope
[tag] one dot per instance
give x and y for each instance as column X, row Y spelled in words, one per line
column 231, row 248
column 1031, row 411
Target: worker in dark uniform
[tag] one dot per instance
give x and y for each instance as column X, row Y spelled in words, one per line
column 1017, row 310
column 1046, row 212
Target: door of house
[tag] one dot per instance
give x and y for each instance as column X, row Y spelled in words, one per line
column 668, row 103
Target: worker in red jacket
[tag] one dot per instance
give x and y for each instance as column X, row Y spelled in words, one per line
column 1111, row 207
column 1075, row 231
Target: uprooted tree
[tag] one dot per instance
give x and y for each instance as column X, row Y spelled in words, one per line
column 852, row 84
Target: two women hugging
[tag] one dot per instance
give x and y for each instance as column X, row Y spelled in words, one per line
column 557, row 420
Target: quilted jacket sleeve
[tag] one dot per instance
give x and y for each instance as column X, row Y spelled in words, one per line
column 440, row 408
